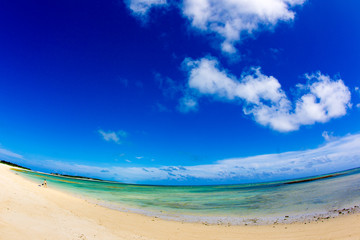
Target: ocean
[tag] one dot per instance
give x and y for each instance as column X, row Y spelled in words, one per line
column 261, row 203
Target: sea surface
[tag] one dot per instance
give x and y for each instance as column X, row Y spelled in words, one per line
column 261, row 203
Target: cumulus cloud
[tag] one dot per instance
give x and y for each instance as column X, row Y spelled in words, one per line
column 229, row 20
column 206, row 77
column 232, row 20
column 141, row 7
column 341, row 154
column 113, row 136
column 262, row 96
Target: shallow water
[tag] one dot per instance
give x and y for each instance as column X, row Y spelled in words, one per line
column 221, row 203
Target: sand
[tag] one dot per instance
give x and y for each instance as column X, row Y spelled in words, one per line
column 28, row 211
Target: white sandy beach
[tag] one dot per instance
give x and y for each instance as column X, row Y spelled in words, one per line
column 28, row 211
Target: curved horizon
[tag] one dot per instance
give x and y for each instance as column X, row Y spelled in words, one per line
column 337, row 155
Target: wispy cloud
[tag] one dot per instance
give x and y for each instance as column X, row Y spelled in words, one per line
column 140, row 8
column 262, row 96
column 357, row 90
column 188, row 104
column 168, row 86
column 161, row 108
column 6, row 154
column 113, row 136
column 171, row 89
column 340, row 154
column 328, row 136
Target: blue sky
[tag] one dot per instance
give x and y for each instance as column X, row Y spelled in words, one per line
column 181, row 92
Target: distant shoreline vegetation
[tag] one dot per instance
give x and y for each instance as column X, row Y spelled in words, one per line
column 53, row 174
column 75, row 176
column 13, row 164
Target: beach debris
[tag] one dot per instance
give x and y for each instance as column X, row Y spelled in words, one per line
column 82, row 237
column 253, row 220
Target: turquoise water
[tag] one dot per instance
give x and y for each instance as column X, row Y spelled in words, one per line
column 222, row 203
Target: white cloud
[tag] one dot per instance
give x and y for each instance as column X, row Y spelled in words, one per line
column 340, row 154
column 206, row 77
column 113, row 136
column 141, row 7
column 188, row 104
column 233, row 19
column 139, row 158
column 328, row 136
column 323, row 98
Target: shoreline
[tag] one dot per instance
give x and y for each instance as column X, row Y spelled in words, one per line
column 285, row 216
column 233, row 220
column 31, row 212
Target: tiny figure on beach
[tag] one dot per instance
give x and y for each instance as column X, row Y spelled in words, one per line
column 44, row 183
